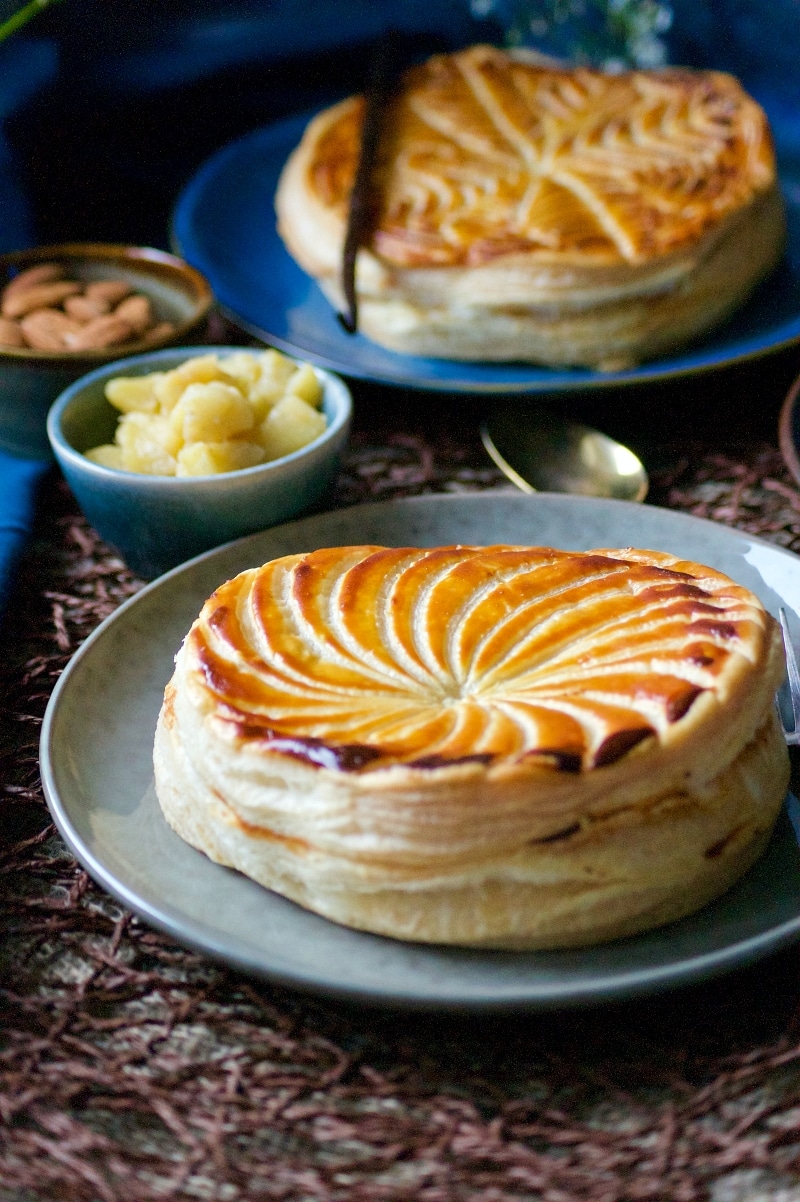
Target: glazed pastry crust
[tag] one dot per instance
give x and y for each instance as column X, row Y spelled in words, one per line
column 500, row 747
column 559, row 216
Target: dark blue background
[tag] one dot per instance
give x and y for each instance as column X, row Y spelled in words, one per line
column 107, row 107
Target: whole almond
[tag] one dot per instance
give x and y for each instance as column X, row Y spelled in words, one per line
column 85, row 308
column 48, row 329
column 10, row 333
column 40, row 296
column 162, row 330
column 100, row 333
column 137, row 311
column 42, row 273
column 112, row 291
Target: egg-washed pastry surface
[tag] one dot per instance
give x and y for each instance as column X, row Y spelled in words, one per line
column 542, row 214
column 489, row 746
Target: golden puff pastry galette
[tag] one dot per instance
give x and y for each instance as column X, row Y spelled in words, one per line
column 527, row 212
column 514, row 747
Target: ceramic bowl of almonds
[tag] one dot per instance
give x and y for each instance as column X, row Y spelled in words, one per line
column 69, row 308
column 174, row 452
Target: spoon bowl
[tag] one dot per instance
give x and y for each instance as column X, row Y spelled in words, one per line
column 541, row 450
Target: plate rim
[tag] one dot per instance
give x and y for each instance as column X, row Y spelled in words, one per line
column 589, row 991
column 680, row 366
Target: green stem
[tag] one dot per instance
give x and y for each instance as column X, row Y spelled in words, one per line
column 22, row 16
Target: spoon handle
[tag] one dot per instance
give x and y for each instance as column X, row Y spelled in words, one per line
column 505, row 467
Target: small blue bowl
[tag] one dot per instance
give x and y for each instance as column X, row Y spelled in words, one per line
column 156, row 522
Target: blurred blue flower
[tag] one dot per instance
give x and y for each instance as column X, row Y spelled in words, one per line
column 612, row 34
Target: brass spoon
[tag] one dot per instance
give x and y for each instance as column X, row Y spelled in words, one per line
column 540, row 450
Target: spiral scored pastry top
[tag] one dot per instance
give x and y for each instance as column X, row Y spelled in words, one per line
column 491, row 746
column 525, row 212
column 486, row 155
column 361, row 658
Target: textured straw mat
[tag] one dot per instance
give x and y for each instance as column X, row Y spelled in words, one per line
column 133, row 1070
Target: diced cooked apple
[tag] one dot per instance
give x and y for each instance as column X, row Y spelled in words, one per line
column 212, row 415
column 134, row 394
column 290, row 425
column 211, row 412
column 305, row 384
column 212, row 458
column 148, row 444
column 202, row 369
column 107, row 455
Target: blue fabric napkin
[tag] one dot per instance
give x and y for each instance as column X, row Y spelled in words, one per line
column 25, row 65
column 19, row 480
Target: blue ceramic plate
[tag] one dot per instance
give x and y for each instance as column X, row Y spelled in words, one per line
column 224, row 224
column 96, row 758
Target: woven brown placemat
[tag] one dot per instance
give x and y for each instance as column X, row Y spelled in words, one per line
column 134, row 1070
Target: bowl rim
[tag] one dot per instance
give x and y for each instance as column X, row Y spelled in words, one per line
column 334, row 385
column 177, row 267
column 786, row 441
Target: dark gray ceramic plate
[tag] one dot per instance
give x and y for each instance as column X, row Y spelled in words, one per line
column 96, row 766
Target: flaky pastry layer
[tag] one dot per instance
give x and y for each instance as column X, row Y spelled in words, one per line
column 496, row 746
